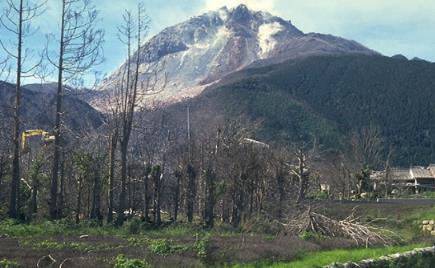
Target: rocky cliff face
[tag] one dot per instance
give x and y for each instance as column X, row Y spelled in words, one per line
column 206, row 48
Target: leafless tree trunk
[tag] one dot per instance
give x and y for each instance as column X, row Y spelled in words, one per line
column 302, row 173
column 17, row 20
column 79, row 50
column 388, row 174
column 113, row 141
column 210, row 178
column 178, row 174
column 2, row 172
column 14, row 204
column 129, row 97
column 146, row 198
column 62, row 185
column 157, row 199
column 79, row 198
column 190, row 192
column 96, row 195
column 367, row 146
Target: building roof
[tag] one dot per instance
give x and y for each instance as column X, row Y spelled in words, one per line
column 432, row 169
column 400, row 174
column 406, row 174
column 421, row 173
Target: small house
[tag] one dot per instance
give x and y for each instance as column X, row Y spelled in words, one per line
column 414, row 179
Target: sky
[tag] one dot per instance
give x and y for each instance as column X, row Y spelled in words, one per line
column 386, row 26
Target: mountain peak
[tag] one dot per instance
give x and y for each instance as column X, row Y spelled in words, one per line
column 241, row 8
column 241, row 14
column 206, row 48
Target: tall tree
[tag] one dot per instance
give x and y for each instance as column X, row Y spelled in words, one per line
column 80, row 49
column 132, row 93
column 16, row 19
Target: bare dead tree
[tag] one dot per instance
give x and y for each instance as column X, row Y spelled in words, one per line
column 387, row 178
column 132, row 93
column 178, row 175
column 278, row 163
column 367, row 146
column 302, row 172
column 80, row 49
column 305, row 154
column 16, row 19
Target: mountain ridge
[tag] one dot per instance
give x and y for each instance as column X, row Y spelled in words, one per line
column 205, row 48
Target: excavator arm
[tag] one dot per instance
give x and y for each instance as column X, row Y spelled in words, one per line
column 45, row 137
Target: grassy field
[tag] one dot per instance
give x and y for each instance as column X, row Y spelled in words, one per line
column 320, row 259
column 139, row 245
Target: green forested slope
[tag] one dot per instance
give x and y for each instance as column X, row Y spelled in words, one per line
column 329, row 97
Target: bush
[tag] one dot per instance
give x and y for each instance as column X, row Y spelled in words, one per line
column 160, row 246
column 8, row 264
column 166, row 246
column 123, row 262
column 308, row 236
column 202, row 246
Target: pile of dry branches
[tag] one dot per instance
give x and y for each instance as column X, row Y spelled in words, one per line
column 350, row 227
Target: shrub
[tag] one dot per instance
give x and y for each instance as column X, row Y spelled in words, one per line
column 8, row 264
column 308, row 235
column 166, row 246
column 202, row 246
column 160, row 246
column 123, row 262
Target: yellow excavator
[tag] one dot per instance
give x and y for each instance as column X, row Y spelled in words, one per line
column 46, row 137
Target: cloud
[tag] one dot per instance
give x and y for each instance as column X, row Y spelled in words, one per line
column 263, row 5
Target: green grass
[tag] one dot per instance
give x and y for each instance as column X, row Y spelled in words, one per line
column 409, row 226
column 423, row 214
column 11, row 228
column 320, row 259
column 60, row 228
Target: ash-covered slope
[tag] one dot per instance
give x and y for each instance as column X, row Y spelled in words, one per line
column 204, row 49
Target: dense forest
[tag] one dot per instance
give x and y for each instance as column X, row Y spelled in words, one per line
column 329, row 98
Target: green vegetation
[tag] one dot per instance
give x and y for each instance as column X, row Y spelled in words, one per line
column 309, row 236
column 202, row 246
column 123, row 262
column 8, row 264
column 320, row 259
column 55, row 245
column 330, row 97
column 166, row 246
column 54, row 228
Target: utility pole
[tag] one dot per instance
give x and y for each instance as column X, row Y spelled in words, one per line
column 188, row 125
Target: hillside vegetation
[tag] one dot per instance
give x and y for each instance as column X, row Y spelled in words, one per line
column 329, row 97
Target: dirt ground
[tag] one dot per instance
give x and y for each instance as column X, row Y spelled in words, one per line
column 98, row 251
column 249, row 248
